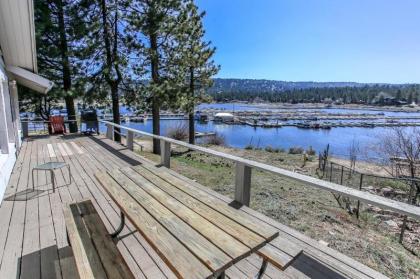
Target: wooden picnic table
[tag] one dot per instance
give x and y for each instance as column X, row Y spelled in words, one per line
column 196, row 235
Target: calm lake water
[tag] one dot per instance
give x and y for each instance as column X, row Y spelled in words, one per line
column 240, row 136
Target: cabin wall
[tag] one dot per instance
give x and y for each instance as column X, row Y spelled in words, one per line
column 8, row 132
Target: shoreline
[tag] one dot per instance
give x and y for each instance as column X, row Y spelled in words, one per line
column 406, row 109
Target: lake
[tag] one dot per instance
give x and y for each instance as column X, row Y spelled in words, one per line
column 285, row 137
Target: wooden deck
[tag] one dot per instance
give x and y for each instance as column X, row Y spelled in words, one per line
column 33, row 241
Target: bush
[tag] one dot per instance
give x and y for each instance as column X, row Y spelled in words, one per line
column 179, row 132
column 273, row 150
column 268, row 148
column 295, row 150
column 249, row 147
column 216, row 140
column 310, row 151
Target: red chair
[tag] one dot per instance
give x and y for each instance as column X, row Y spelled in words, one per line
column 57, row 125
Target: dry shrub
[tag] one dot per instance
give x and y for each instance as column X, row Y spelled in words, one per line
column 216, row 140
column 178, row 132
column 271, row 149
column 295, row 150
column 310, row 151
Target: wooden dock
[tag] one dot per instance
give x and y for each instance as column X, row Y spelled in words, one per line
column 322, row 125
column 33, row 235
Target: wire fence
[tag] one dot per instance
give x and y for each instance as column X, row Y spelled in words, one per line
column 396, row 188
column 403, row 189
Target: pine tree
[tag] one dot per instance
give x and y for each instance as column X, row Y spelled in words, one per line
column 399, row 95
column 58, row 32
column 410, row 97
column 107, row 50
column 158, row 24
column 196, row 61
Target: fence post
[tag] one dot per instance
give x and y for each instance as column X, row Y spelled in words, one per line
column 243, row 183
column 331, row 169
column 342, row 172
column 404, row 224
column 358, row 201
column 165, row 153
column 110, row 131
column 25, row 129
column 130, row 139
column 319, row 161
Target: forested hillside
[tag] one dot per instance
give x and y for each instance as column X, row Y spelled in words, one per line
column 283, row 91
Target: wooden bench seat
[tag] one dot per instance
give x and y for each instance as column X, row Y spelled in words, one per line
column 95, row 252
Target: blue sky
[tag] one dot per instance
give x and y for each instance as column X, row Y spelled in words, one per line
column 316, row 40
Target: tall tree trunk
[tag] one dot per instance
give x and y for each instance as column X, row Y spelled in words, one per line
column 110, row 58
column 191, row 128
column 116, row 110
column 71, row 111
column 191, row 125
column 155, row 100
column 156, row 126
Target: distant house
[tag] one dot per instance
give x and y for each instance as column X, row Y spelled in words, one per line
column 339, row 101
column 327, row 101
column 18, row 65
column 385, row 99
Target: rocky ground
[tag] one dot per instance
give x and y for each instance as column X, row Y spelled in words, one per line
column 372, row 239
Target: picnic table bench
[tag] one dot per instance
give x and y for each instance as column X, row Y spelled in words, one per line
column 95, row 253
column 196, row 236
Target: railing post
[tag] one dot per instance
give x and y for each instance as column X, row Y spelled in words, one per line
column 358, row 201
column 165, row 153
column 243, row 183
column 110, row 131
column 130, row 139
column 25, row 129
column 331, row 169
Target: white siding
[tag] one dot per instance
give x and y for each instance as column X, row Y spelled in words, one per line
column 4, row 133
column 17, row 37
column 8, row 160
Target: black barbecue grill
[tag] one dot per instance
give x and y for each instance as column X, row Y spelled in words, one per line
column 89, row 118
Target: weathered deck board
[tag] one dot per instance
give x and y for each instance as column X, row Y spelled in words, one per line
column 14, row 239
column 33, row 239
column 30, row 265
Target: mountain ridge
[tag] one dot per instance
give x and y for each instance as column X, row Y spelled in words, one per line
column 271, row 86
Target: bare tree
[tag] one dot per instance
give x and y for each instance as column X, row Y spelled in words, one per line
column 353, row 152
column 400, row 149
column 401, row 154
